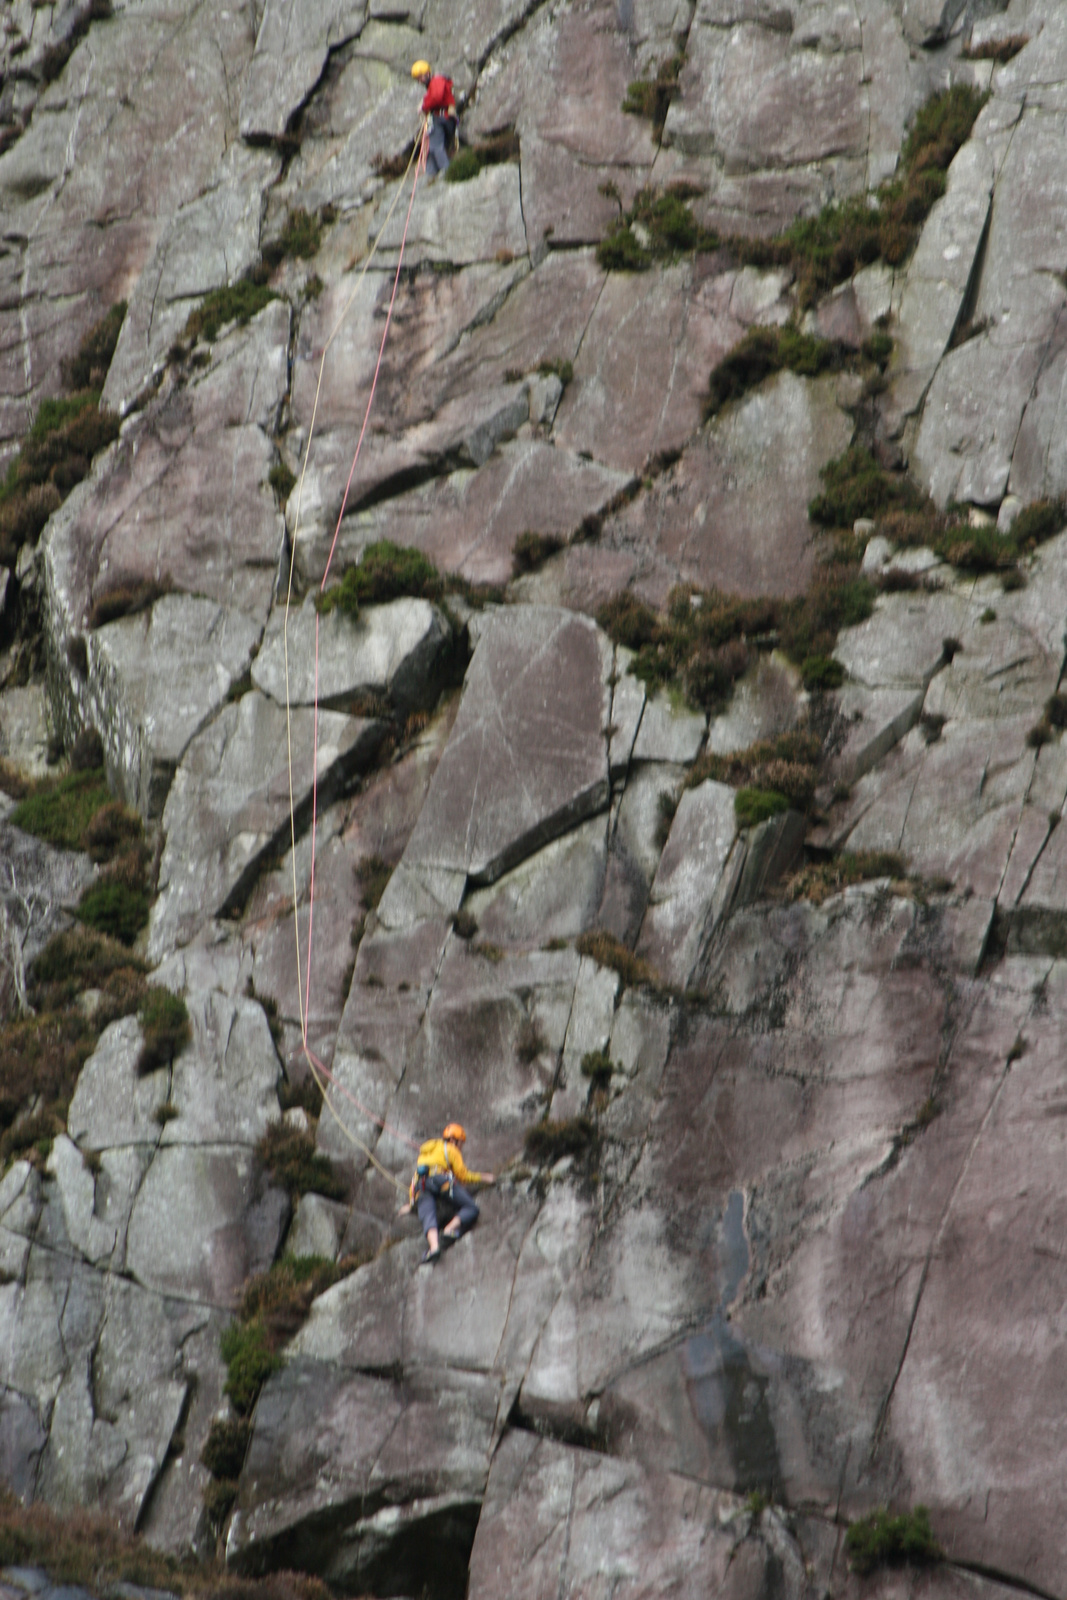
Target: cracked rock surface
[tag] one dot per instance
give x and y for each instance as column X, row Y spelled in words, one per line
column 801, row 1257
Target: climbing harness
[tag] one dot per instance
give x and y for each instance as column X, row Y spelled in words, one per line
column 322, row 1076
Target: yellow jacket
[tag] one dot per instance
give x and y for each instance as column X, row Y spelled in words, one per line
column 442, row 1157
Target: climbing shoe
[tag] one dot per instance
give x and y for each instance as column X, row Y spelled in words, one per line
column 429, row 1258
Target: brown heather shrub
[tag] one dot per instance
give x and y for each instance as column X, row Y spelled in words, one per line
column 817, row 882
column 87, row 1548
column 794, row 779
column 607, row 951
column 112, row 830
column 24, row 515
column 794, row 755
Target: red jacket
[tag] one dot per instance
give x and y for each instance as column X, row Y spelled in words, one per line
column 439, row 97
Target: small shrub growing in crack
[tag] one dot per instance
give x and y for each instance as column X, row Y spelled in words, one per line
column 824, row 250
column 998, row 50
column 531, row 550
column 249, row 1359
column 882, row 1540
column 227, row 1444
column 282, row 480
column 89, row 368
column 531, row 1041
column 764, row 351
column 753, row 806
column 238, row 303
column 290, row 1156
column 548, row 1141
column 598, row 1067
column 607, row 951
column 385, row 572
column 819, row 880
column 166, row 1028
column 651, row 97
column 116, row 908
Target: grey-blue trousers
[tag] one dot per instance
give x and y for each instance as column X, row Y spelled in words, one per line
column 435, row 1201
column 437, row 155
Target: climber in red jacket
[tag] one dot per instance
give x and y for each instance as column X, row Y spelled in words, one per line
column 439, row 104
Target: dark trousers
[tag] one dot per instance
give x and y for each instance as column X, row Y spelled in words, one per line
column 436, row 1206
column 441, row 132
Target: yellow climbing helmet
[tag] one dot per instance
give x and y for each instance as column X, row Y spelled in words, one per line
column 454, row 1134
column 421, row 69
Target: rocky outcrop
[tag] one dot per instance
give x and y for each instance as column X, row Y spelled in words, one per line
column 783, row 1246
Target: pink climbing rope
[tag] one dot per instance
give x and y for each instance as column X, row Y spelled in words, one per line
column 313, row 1059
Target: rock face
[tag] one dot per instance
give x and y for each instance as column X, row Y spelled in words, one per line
column 783, row 1247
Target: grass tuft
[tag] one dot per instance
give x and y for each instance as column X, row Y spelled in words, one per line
column 598, row 1067
column 61, row 811
column 998, row 50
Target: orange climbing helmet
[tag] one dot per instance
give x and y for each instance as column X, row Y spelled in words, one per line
column 454, row 1134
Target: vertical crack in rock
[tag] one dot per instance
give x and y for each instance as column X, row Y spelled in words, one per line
column 883, row 1410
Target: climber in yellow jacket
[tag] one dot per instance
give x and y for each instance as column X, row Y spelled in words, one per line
column 438, row 1185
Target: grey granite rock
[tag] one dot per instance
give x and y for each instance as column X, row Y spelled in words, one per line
column 396, row 650
column 292, row 46
column 536, row 688
column 156, row 680
column 224, row 1084
column 692, row 881
column 204, row 1221
column 553, row 894
column 229, row 804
